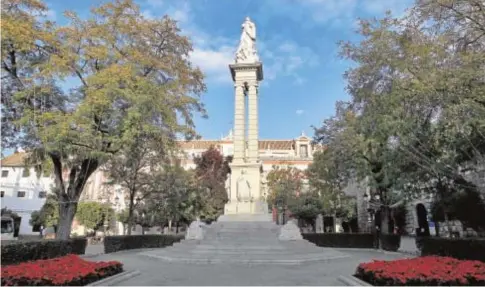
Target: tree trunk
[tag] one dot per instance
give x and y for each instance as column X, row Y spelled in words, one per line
column 437, row 229
column 448, row 224
column 69, row 194
column 385, row 220
column 130, row 212
column 67, row 211
column 170, row 226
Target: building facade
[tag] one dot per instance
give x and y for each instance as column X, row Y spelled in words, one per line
column 297, row 152
column 24, row 191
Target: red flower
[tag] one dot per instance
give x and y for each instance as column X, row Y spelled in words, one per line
column 66, row 270
column 429, row 270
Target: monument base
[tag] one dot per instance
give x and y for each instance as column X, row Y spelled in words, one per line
column 245, row 218
column 246, row 211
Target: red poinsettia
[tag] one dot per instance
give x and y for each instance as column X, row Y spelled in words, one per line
column 423, row 271
column 61, row 271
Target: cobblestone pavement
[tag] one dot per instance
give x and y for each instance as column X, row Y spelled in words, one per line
column 158, row 272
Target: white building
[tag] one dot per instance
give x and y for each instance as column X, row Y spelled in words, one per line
column 22, row 189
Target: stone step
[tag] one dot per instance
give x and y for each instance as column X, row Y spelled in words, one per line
column 253, row 259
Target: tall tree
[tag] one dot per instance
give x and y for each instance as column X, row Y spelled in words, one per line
column 284, row 184
column 211, row 173
column 179, row 198
column 136, row 169
column 132, row 74
column 417, row 93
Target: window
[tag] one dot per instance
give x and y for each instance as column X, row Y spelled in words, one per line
column 21, row 194
column 36, row 228
column 4, row 173
column 42, row 194
column 25, row 172
column 2, row 193
column 303, row 150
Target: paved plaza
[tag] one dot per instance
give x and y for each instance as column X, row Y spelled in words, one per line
column 158, row 272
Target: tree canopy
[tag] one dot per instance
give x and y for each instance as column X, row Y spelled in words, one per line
column 128, row 75
column 211, row 173
column 415, row 120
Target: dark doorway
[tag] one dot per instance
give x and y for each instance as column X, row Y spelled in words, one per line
column 422, row 214
column 328, row 224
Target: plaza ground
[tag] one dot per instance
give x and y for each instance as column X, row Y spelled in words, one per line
column 158, row 272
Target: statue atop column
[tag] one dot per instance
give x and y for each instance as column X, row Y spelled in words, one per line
column 246, row 52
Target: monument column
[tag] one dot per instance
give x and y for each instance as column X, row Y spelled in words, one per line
column 245, row 178
column 253, row 148
column 239, row 124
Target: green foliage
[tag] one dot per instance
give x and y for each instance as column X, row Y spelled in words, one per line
column 93, row 215
column 284, row 183
column 123, row 242
column 178, row 197
column 306, row 207
column 17, row 252
column 143, row 84
column 211, row 173
column 416, row 118
column 48, row 216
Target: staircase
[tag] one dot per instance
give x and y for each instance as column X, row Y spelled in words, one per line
column 244, row 242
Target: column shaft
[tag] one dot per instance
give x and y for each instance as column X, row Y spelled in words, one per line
column 239, row 125
column 253, row 148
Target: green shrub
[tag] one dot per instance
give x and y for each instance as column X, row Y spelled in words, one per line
column 390, row 242
column 125, row 242
column 341, row 240
column 459, row 248
column 17, row 252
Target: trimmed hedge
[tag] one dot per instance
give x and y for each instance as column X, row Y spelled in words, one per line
column 125, row 242
column 459, row 248
column 17, row 252
column 390, row 242
column 342, row 240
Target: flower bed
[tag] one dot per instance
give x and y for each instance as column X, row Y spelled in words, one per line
column 70, row 270
column 423, row 271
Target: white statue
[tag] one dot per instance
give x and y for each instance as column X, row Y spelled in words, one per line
column 243, row 189
column 246, row 52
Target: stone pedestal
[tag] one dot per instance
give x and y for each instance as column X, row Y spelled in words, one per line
column 195, row 231
column 245, row 182
column 290, row 232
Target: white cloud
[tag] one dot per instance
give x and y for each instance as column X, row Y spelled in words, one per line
column 328, row 10
column 155, row 3
column 214, row 53
column 214, row 63
column 381, row 6
column 287, row 59
column 299, row 112
column 299, row 80
column 51, row 15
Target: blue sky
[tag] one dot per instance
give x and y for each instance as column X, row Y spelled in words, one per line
column 297, row 43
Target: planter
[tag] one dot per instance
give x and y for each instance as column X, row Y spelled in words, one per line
column 70, row 270
column 115, row 279
column 423, row 271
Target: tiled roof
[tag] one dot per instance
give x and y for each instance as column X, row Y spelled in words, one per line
column 263, row 144
column 199, row 144
column 276, row 144
column 16, row 159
